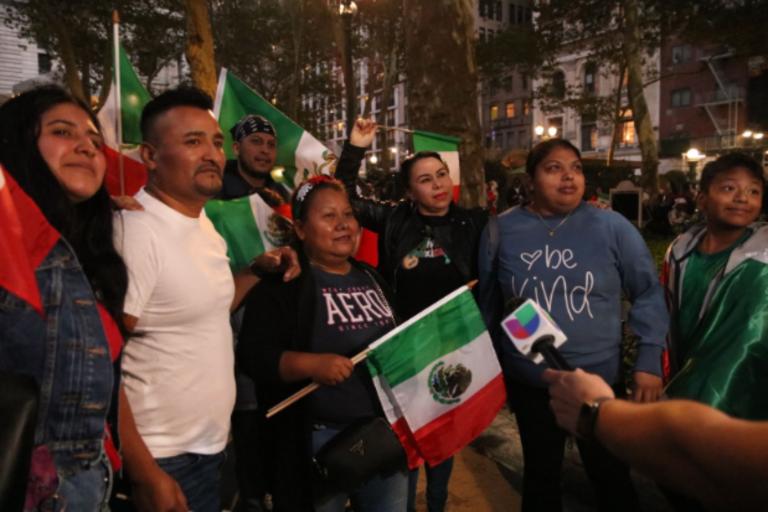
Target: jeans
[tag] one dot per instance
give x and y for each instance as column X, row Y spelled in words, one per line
column 543, row 446
column 85, row 490
column 198, row 476
column 380, row 494
column 437, row 486
column 248, row 428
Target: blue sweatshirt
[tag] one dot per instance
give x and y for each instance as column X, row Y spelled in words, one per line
column 578, row 275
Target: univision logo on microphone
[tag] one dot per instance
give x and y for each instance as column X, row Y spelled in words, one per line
column 528, row 323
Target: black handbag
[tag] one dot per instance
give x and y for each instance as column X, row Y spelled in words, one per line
column 363, row 450
column 18, row 410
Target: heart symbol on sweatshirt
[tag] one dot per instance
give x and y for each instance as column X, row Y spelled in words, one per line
column 529, row 258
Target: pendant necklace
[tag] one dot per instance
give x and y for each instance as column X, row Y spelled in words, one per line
column 551, row 230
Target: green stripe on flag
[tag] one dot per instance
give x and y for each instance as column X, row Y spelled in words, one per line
column 448, row 328
column 133, row 97
column 235, row 222
column 430, row 141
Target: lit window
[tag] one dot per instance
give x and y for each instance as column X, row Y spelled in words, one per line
column 628, row 136
column 511, row 110
column 494, row 112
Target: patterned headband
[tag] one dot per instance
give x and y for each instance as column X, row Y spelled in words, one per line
column 300, row 196
column 251, row 124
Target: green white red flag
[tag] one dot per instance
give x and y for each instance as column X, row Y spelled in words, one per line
column 250, row 227
column 447, row 146
column 26, row 238
column 119, row 119
column 298, row 152
column 438, row 378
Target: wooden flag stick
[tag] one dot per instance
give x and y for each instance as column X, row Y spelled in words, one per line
column 309, row 388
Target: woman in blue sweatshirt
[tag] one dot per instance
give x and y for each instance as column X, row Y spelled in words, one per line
column 576, row 261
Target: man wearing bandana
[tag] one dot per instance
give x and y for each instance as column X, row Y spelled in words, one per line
column 255, row 145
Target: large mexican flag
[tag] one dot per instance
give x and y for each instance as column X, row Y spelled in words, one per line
column 250, row 227
column 447, row 146
column 438, row 378
column 119, row 119
column 298, row 152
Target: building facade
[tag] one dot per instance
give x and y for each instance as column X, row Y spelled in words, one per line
column 505, row 108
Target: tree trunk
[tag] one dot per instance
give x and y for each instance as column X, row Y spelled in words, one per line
column 640, row 114
column 387, row 90
column 66, row 53
column 618, row 115
column 199, row 48
column 441, row 74
column 295, row 8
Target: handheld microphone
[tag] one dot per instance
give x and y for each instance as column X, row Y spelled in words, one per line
column 534, row 333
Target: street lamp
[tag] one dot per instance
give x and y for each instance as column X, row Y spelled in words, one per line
column 539, row 130
column 552, row 132
column 347, row 9
column 693, row 156
column 373, row 159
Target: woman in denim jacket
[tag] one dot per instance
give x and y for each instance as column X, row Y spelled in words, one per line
column 50, row 144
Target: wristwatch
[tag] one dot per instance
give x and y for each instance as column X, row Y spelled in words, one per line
column 585, row 425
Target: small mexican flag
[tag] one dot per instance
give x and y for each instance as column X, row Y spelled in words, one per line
column 438, row 378
column 249, row 226
column 448, row 147
column 301, row 154
column 26, row 238
column 119, row 118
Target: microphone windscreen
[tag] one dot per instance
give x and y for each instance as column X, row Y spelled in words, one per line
column 527, row 323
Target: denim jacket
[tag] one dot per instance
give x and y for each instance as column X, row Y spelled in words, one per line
column 67, row 352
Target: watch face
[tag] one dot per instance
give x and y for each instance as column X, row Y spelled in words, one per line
column 585, row 425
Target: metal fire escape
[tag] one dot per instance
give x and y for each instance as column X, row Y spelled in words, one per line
column 726, row 97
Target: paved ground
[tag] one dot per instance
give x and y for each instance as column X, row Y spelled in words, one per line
column 488, row 475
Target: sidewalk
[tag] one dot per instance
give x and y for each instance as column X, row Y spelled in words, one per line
column 487, row 476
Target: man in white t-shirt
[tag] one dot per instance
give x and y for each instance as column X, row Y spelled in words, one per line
column 178, row 371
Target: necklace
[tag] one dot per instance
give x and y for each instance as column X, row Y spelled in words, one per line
column 551, row 230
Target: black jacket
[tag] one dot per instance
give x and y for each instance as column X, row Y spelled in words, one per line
column 400, row 227
column 279, row 317
column 234, row 186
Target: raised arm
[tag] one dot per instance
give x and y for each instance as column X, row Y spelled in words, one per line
column 371, row 213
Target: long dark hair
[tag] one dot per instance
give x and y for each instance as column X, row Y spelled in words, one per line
column 87, row 225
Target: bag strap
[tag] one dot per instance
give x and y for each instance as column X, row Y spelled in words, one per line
column 493, row 241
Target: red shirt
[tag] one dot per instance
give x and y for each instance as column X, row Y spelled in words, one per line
column 115, row 341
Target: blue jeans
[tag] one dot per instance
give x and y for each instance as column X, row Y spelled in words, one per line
column 380, row 494
column 437, row 486
column 198, row 475
column 85, row 489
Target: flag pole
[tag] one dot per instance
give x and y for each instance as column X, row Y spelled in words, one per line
column 361, row 356
column 118, row 94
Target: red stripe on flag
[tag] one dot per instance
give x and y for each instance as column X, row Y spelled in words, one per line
column 134, row 171
column 368, row 251
column 405, row 436
column 26, row 238
column 449, row 433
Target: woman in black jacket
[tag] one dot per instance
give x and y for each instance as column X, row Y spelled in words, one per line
column 307, row 330
column 427, row 247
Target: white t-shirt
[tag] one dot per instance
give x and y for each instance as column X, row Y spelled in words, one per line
column 178, row 372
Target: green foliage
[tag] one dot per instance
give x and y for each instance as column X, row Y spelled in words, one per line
column 282, row 49
column 79, row 34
